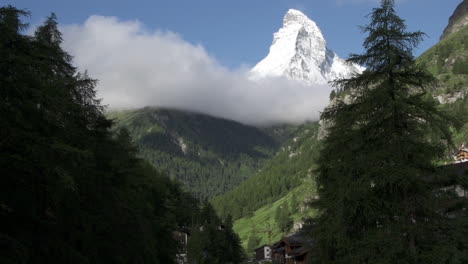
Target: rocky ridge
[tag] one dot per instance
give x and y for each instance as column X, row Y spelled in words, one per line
column 458, row 20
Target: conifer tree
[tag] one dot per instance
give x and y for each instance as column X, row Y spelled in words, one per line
column 252, row 243
column 283, row 219
column 377, row 202
column 234, row 253
column 213, row 241
column 294, row 204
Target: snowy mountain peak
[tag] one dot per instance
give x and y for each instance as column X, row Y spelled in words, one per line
column 294, row 15
column 299, row 52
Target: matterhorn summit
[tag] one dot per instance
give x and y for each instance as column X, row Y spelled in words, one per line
column 299, row 52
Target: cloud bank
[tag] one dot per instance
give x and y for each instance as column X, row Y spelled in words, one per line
column 137, row 67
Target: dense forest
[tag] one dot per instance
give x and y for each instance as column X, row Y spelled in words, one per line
column 72, row 190
column 208, row 155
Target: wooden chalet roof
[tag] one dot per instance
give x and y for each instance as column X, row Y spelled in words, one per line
column 300, row 251
column 464, row 149
column 298, row 238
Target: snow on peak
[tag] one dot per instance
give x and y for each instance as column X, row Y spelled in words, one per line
column 295, row 12
column 299, row 52
column 294, row 16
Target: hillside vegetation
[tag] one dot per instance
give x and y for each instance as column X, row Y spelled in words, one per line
column 208, row 155
column 448, row 62
column 280, row 175
column 262, row 224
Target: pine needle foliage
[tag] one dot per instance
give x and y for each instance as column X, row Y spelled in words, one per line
column 377, row 200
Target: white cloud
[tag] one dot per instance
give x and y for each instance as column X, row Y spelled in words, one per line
column 137, row 67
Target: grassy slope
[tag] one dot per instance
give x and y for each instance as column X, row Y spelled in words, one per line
column 262, row 220
column 277, row 178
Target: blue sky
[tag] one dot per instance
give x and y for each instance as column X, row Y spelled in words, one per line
column 240, row 32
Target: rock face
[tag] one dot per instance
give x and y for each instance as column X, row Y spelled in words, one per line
column 299, row 52
column 458, row 20
column 451, row 97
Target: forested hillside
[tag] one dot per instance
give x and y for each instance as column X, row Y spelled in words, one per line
column 208, row 155
column 274, row 220
column 285, row 171
column 448, row 62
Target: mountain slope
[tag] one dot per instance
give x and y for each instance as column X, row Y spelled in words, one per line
column 458, row 20
column 448, row 62
column 208, row 155
column 262, row 222
column 299, row 52
column 284, row 172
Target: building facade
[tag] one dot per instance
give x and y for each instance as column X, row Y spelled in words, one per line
column 263, row 254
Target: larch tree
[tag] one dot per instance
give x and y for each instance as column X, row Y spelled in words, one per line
column 377, row 201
